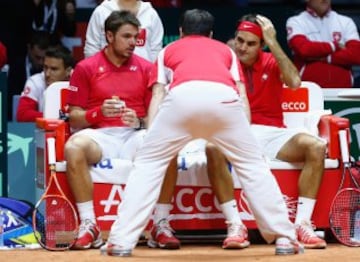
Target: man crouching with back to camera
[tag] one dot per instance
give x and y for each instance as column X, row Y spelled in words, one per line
column 204, row 97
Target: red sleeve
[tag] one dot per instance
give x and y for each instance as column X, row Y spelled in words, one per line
column 3, row 55
column 27, row 110
column 348, row 56
column 307, row 49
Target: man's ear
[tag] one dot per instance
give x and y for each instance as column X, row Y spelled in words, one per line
column 109, row 37
column 69, row 71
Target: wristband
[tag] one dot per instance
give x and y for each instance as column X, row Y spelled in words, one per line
column 94, row 115
column 141, row 124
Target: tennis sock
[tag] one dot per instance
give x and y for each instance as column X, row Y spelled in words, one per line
column 231, row 211
column 305, row 208
column 86, row 211
column 162, row 211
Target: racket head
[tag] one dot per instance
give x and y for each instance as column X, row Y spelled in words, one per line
column 345, row 217
column 55, row 223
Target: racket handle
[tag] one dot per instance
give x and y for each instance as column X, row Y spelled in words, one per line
column 51, row 150
column 344, row 148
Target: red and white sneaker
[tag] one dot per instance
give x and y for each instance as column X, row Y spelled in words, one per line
column 89, row 236
column 237, row 236
column 162, row 236
column 285, row 246
column 115, row 250
column 306, row 236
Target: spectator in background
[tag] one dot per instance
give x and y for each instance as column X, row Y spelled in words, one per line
column 325, row 45
column 36, row 49
column 28, row 65
column 3, row 55
column 58, row 63
column 149, row 40
column 57, row 17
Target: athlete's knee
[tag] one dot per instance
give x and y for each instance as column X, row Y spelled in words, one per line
column 317, row 149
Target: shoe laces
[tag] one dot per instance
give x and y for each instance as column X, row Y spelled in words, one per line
column 236, row 229
column 307, row 229
column 163, row 227
column 85, row 226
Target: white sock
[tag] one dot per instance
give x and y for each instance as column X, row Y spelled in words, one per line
column 305, row 208
column 86, row 211
column 231, row 211
column 162, row 211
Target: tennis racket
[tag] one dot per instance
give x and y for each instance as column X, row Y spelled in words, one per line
column 345, row 208
column 55, row 221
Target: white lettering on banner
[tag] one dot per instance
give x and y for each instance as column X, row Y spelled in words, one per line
column 211, row 211
column 140, row 42
column 293, row 106
column 116, row 190
column 104, row 164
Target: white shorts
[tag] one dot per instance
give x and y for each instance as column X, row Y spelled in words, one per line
column 116, row 142
column 271, row 138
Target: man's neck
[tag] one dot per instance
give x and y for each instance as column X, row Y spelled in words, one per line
column 115, row 60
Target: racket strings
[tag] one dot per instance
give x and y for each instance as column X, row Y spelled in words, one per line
column 345, row 217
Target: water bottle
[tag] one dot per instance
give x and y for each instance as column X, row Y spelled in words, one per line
column 357, row 226
column 2, row 229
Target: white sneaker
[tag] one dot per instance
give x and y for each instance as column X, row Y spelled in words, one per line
column 285, row 246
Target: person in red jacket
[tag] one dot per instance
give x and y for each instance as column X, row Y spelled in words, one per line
column 3, row 55
column 58, row 64
column 325, row 45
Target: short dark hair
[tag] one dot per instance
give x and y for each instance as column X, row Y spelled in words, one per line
column 197, row 22
column 41, row 39
column 61, row 52
column 119, row 18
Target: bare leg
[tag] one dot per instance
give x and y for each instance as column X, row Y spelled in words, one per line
column 219, row 175
column 80, row 152
column 168, row 186
column 310, row 150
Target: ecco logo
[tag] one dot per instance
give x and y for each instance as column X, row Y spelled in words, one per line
column 295, row 100
column 294, row 106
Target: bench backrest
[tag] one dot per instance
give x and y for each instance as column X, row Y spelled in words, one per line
column 303, row 106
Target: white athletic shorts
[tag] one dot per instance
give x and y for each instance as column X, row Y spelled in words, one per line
column 273, row 138
column 116, row 142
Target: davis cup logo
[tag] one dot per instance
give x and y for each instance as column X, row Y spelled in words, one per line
column 295, row 100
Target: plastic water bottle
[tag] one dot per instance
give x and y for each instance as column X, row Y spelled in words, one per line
column 2, row 229
column 357, row 226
